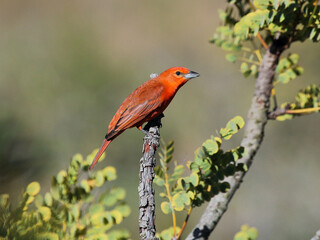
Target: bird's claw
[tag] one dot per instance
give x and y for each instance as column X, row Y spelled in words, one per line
column 148, row 134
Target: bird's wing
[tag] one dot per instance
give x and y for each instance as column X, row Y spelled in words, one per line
column 137, row 113
column 139, row 106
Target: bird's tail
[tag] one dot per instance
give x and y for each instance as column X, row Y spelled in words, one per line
column 100, row 152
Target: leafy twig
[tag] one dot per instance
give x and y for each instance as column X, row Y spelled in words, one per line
column 184, row 224
column 174, row 221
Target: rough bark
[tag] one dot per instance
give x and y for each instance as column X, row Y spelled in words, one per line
column 146, row 193
column 253, row 136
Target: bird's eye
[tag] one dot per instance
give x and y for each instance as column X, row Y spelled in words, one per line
column 178, row 73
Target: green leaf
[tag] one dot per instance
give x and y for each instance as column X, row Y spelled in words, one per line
column 194, row 167
column 179, row 200
column 193, row 178
column 47, row 236
column 191, row 195
column 284, row 117
column 247, row 233
column 244, row 67
column 222, row 15
column 167, row 234
column 231, row 57
column 4, row 201
column 299, row 70
column 94, row 209
column 241, row 236
column 159, row 181
column 61, row 176
column 228, row 46
column 38, row 201
column 253, row 233
column 232, row 127
column 85, row 185
column 284, row 78
column 124, row 209
column 33, row 189
column 211, row 146
column 110, row 173
column 99, row 178
column 178, row 171
column 294, row 58
column 118, row 234
column 312, row 33
column 45, row 212
column 254, row 69
column 162, row 195
column 166, row 207
column 29, row 201
column 76, row 160
column 117, row 215
column 119, row 193
column 238, row 120
column 199, row 153
column 261, row 4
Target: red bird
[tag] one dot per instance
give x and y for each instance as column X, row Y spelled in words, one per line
column 146, row 103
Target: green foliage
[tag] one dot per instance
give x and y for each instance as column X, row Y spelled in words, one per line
column 264, row 21
column 70, row 210
column 205, row 176
column 246, row 233
column 243, row 21
column 288, row 69
column 167, row 234
column 308, row 98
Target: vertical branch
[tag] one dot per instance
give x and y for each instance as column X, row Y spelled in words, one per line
column 146, row 192
column 253, row 136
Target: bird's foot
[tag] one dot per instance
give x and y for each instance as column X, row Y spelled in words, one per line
column 147, row 133
column 154, row 122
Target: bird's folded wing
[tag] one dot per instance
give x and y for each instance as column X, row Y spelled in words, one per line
column 135, row 114
column 137, row 108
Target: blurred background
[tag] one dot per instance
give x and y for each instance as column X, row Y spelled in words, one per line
column 66, row 66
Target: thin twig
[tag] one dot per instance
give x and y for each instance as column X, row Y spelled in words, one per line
column 249, row 61
column 304, row 110
column 282, row 111
column 263, row 43
column 184, row 224
column 174, row 221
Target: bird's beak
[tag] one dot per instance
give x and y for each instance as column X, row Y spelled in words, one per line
column 191, row 75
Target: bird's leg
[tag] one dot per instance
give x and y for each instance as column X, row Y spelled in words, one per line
column 154, row 122
column 144, row 131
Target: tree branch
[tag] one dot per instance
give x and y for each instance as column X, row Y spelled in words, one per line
column 317, row 236
column 253, row 136
column 277, row 112
column 146, row 193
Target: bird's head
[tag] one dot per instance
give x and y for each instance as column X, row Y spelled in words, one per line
column 179, row 75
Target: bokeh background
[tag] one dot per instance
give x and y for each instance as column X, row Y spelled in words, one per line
column 66, row 66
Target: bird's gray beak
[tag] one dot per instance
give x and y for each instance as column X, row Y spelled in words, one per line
column 191, row 75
